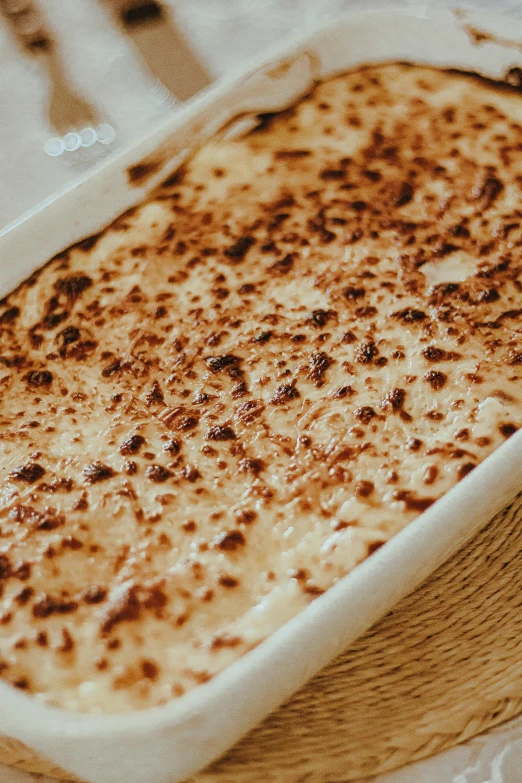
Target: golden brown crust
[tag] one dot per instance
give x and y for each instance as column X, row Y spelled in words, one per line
column 243, row 388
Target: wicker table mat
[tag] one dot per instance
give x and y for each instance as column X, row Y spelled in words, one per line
column 443, row 666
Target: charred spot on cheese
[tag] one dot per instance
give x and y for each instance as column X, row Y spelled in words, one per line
column 351, row 293
column 126, row 609
column 284, row 393
column 365, row 352
column 228, row 581
column 112, row 368
column 514, row 357
column 364, row 414
column 373, row 546
column 413, row 502
column 150, row 670
column 130, row 467
column 46, row 605
column 68, row 335
column 220, row 432
column 132, row 445
column 394, row 400
column 218, row 363
column 253, row 465
column 183, row 423
column 191, row 473
column 96, row 472
column 172, row 446
column 283, row 266
column 436, row 379
column 262, row 337
column 10, row 315
column 292, row 154
column 154, row 395
column 73, row 286
column 342, row 392
column 230, row 541
column 36, row 519
column 488, row 191
column 488, row 295
column 22, row 571
column 239, row 249
column 28, row 473
column 5, row 567
column 139, row 173
column 39, row 378
column 158, row 473
column 364, row 488
column 406, row 193
column 410, row 315
column 434, row 354
column 24, row 596
column 94, row 595
column 224, row 640
column 463, row 470
column 248, row 411
column 319, row 318
column 319, row 364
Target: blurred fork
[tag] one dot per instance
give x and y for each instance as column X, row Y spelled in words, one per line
column 71, row 116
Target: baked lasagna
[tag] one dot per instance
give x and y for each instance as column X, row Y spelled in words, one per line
column 244, row 387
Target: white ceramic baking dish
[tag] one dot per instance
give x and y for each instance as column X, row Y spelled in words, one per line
column 165, row 745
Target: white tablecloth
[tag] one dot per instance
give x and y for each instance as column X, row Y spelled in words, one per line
column 104, row 67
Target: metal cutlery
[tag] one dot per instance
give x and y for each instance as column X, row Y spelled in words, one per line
column 162, row 45
column 75, row 121
column 152, row 28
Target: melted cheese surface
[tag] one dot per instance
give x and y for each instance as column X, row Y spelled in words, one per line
column 222, row 405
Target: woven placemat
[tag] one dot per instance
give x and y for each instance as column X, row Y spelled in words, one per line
column 443, row 666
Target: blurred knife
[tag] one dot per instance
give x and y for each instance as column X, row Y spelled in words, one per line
column 162, row 45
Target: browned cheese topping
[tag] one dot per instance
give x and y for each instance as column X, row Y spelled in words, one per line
column 214, row 411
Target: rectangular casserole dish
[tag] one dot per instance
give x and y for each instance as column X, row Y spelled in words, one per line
column 167, row 744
